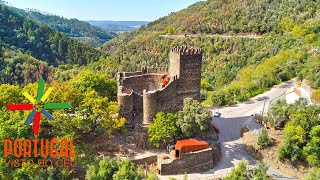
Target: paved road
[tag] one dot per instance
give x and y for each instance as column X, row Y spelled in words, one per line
column 230, row 123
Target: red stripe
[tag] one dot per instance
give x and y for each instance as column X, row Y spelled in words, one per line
column 19, row 106
column 36, row 123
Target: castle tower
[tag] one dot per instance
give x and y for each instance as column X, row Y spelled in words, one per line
column 185, row 65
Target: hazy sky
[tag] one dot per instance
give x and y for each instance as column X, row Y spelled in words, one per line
column 106, row 9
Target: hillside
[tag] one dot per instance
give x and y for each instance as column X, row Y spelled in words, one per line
column 235, row 67
column 74, row 28
column 22, row 34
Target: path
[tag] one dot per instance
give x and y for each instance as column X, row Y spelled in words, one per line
column 182, row 36
column 230, row 125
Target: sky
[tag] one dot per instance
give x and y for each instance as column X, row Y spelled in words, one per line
column 140, row 10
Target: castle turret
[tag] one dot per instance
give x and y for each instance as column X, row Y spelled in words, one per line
column 185, row 64
column 149, row 107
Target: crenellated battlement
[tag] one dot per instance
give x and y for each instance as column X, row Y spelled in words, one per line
column 185, row 50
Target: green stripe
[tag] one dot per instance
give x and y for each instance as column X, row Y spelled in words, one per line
column 57, row 106
column 40, row 89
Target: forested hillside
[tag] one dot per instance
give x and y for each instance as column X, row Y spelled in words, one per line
column 286, row 36
column 74, row 28
column 19, row 33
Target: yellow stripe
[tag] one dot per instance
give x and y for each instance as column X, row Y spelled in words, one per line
column 46, row 95
column 30, row 98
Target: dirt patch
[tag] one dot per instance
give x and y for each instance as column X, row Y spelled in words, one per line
column 103, row 146
column 269, row 154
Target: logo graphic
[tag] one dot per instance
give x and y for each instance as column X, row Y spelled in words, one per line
column 38, row 106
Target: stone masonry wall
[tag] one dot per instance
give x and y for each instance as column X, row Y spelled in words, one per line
column 125, row 102
column 164, row 100
column 138, row 83
column 193, row 162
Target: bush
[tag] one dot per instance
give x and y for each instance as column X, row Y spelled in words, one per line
column 153, row 175
column 263, row 139
column 313, row 173
column 260, row 172
column 111, row 169
column 239, row 172
column 219, row 98
column 316, row 95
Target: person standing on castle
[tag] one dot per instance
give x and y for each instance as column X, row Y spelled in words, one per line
column 137, row 111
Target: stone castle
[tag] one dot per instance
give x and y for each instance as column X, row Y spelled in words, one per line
column 151, row 91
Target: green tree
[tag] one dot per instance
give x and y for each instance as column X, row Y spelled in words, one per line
column 10, row 94
column 193, row 118
column 163, row 129
column 95, row 110
column 291, row 146
column 280, row 113
column 312, row 149
column 102, row 84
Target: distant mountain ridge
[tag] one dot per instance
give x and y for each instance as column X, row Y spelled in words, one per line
column 74, row 28
column 118, row 26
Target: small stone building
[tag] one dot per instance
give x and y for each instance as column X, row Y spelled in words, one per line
column 151, row 91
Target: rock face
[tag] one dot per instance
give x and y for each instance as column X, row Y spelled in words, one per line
column 193, row 162
column 146, row 91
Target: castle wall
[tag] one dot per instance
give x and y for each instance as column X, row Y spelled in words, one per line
column 149, row 106
column 138, row 83
column 128, row 74
column 163, row 100
column 125, row 102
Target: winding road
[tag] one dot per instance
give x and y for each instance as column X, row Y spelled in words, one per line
column 230, row 123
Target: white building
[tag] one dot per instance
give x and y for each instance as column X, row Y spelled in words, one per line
column 296, row 93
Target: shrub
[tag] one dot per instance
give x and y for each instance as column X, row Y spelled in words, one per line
column 260, row 172
column 313, row 173
column 263, row 139
column 111, row 169
column 239, row 172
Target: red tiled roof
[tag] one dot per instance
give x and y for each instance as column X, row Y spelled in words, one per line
column 297, row 91
column 191, row 142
